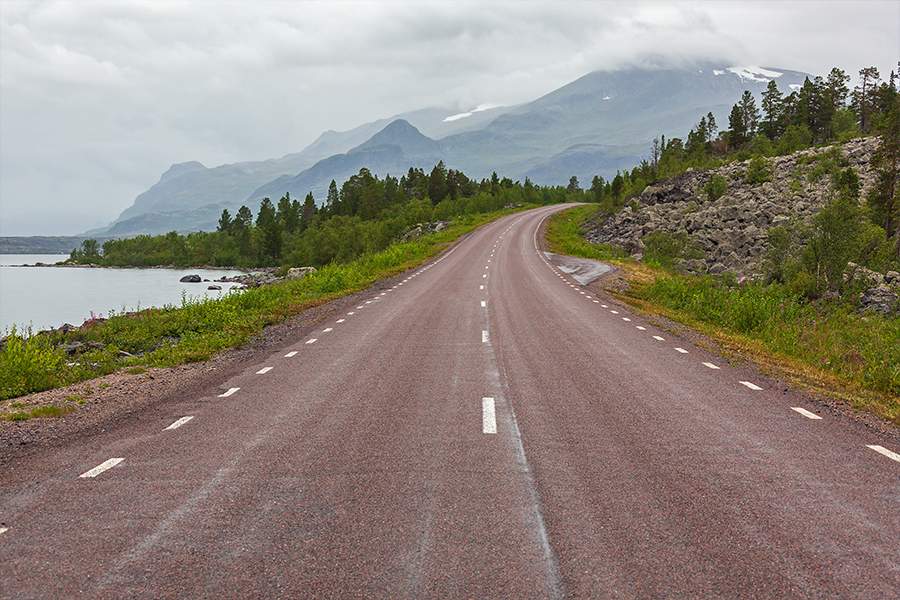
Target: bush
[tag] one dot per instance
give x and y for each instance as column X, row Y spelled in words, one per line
column 667, row 249
column 758, row 171
column 28, row 364
column 716, row 187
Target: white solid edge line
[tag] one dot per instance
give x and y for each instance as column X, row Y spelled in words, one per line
column 228, row 393
column 488, row 416
column 806, row 413
column 710, row 365
column 178, row 423
column 264, row 370
column 752, row 386
column 886, row 452
column 290, row 354
column 102, row 467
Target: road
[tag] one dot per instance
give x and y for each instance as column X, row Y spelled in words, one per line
column 486, row 428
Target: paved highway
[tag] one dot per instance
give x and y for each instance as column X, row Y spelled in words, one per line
column 486, row 428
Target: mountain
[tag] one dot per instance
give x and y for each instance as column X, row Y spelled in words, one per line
column 595, row 125
column 394, row 149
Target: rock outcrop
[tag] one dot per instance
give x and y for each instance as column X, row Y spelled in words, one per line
column 732, row 231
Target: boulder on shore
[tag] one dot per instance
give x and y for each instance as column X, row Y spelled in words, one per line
column 190, row 279
column 299, row 272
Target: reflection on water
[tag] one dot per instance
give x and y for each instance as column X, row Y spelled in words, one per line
column 44, row 297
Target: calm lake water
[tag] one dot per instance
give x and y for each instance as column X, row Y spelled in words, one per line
column 44, row 297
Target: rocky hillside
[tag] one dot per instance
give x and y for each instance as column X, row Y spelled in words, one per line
column 732, row 231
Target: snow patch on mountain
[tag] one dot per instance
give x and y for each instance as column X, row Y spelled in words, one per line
column 479, row 108
column 754, row 73
column 751, row 73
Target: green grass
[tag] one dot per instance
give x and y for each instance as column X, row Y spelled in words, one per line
column 46, row 411
column 821, row 345
column 198, row 328
column 565, row 236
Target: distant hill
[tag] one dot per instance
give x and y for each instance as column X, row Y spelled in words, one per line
column 596, row 125
column 43, row 244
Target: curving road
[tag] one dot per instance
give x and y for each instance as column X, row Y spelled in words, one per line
column 487, row 428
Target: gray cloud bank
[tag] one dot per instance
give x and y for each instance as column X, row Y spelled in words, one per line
column 97, row 99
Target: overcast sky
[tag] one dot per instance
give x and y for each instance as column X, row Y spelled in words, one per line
column 98, row 99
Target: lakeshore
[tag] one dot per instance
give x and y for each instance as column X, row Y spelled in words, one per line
column 33, row 295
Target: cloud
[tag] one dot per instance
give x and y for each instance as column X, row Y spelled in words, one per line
column 99, row 98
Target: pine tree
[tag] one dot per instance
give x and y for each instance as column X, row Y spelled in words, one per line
column 737, row 135
column 884, row 196
column 773, row 107
column 224, row 222
column 863, row 96
column 332, row 200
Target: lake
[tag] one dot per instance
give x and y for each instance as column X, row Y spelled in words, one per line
column 44, row 297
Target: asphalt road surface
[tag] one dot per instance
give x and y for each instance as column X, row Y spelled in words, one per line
column 487, row 428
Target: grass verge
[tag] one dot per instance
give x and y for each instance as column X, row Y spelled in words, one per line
column 822, row 346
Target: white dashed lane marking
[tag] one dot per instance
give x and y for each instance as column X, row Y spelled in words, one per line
column 483, row 304
column 488, row 416
column 290, row 354
column 886, row 452
column 229, row 393
column 326, row 330
column 3, row 530
column 661, row 339
column 752, row 386
column 806, row 413
column 264, row 370
column 681, row 350
column 710, row 365
column 102, row 467
column 178, row 423
column 485, row 336
column 311, row 341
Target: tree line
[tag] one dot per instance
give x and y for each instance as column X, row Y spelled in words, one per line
column 365, row 215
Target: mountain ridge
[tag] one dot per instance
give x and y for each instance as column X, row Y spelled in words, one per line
column 600, row 123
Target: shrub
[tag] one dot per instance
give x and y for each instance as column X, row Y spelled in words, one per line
column 716, row 187
column 666, row 249
column 28, row 364
column 758, row 171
